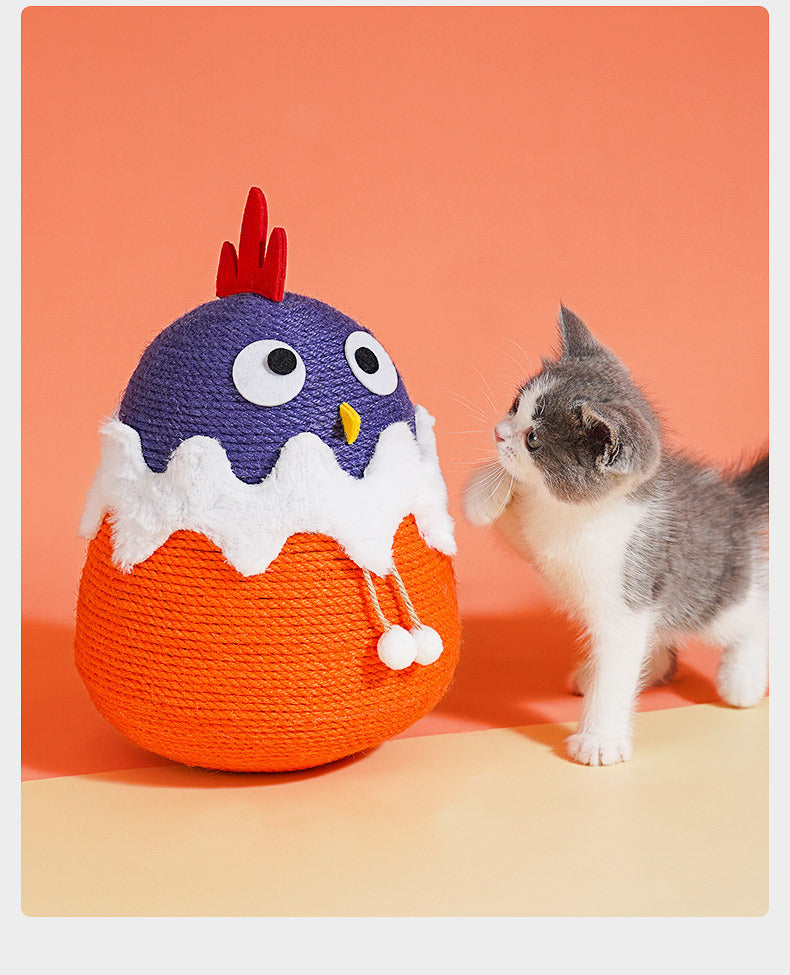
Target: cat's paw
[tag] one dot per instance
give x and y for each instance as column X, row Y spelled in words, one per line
column 486, row 495
column 741, row 687
column 588, row 748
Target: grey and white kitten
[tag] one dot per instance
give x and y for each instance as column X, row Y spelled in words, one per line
column 642, row 545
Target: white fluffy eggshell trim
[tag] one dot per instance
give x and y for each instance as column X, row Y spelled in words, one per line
column 306, row 491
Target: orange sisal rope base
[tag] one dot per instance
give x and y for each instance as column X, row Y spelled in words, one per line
column 191, row 660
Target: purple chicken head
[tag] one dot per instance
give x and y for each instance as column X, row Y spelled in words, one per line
column 259, row 366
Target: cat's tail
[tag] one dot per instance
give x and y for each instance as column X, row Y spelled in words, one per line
column 753, row 485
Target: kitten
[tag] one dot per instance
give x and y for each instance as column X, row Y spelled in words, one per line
column 642, row 545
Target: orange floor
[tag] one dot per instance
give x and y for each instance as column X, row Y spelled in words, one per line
column 474, row 811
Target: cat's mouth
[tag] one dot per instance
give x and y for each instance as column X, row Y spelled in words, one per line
column 507, row 456
column 520, row 468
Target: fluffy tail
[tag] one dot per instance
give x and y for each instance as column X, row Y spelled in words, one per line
column 753, row 485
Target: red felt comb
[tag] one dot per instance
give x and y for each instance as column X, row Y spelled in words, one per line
column 257, row 268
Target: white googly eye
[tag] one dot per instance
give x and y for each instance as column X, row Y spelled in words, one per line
column 268, row 373
column 371, row 364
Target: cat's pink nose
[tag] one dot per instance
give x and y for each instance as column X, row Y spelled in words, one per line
column 498, row 436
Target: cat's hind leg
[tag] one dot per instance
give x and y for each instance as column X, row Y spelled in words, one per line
column 660, row 664
column 578, row 681
column 742, row 630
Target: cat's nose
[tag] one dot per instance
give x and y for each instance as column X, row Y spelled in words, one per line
column 497, row 435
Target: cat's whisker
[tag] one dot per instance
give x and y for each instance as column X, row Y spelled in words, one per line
column 505, row 498
column 488, row 392
column 490, row 494
column 513, row 383
column 459, row 398
column 476, row 411
column 501, row 475
column 520, row 365
column 475, row 432
column 482, row 458
column 527, row 358
column 476, row 414
column 483, row 446
column 492, row 475
column 496, row 471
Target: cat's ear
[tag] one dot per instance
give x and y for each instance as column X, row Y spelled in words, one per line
column 576, row 338
column 622, row 438
column 605, row 429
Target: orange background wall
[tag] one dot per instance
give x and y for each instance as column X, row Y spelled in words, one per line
column 446, row 176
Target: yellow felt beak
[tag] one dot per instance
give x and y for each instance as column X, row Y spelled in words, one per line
column 351, row 421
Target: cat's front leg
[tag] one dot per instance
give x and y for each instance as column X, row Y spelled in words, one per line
column 487, row 494
column 659, row 667
column 617, row 652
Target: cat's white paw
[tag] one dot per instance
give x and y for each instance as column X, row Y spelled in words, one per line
column 741, row 687
column 486, row 495
column 588, row 748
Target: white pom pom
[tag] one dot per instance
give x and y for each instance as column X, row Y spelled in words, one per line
column 429, row 644
column 397, row 648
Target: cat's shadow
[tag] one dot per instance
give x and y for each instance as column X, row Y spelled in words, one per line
column 514, row 672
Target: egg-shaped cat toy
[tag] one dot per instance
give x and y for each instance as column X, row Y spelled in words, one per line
column 268, row 584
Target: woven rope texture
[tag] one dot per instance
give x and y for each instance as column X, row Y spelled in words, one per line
column 272, row 672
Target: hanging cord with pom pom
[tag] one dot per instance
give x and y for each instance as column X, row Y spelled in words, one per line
column 397, row 647
column 385, row 623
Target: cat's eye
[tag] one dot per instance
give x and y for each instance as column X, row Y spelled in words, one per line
column 370, row 363
column 532, row 439
column 268, row 373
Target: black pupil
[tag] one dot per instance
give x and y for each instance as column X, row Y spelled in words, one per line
column 281, row 361
column 366, row 360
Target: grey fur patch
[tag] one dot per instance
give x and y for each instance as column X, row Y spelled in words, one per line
column 694, row 552
column 753, row 485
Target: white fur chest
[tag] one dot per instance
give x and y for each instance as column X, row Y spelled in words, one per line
column 579, row 549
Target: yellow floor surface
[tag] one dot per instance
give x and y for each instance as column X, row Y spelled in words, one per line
column 480, row 823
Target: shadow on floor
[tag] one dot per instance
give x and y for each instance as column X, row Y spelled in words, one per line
column 513, row 672
column 62, row 733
